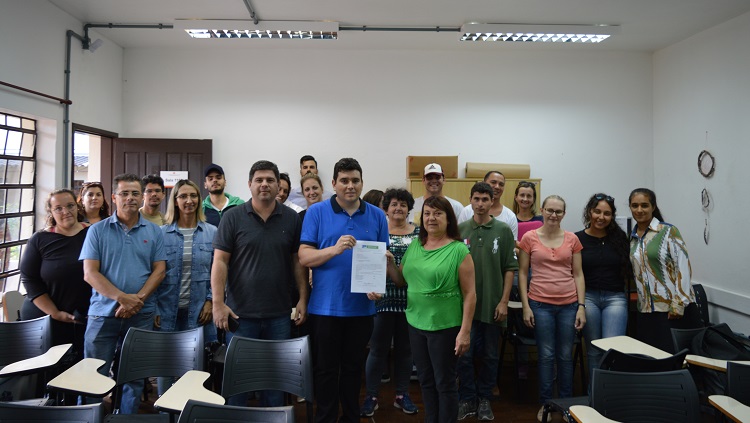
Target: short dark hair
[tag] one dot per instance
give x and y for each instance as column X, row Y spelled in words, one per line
column 283, row 176
column 153, row 179
column 482, row 188
column 487, row 175
column 126, row 177
column 307, row 158
column 264, row 165
column 346, row 164
column 440, row 203
column 398, row 194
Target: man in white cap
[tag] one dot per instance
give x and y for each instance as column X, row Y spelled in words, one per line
column 433, row 181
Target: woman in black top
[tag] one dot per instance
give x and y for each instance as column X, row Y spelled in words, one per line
column 52, row 274
column 607, row 270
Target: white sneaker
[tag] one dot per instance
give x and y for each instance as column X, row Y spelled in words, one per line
column 540, row 414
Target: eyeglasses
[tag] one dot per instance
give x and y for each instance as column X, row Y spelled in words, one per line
column 69, row 208
column 153, row 191
column 557, row 213
column 600, row 197
column 126, row 194
column 184, row 197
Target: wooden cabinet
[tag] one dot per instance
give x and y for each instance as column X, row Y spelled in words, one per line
column 459, row 189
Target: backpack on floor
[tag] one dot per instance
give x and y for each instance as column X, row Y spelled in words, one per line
column 721, row 343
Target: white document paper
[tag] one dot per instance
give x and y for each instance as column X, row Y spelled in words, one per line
column 368, row 267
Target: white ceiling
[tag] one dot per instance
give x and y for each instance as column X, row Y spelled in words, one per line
column 646, row 25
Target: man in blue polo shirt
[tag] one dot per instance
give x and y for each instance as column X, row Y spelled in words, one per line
column 340, row 321
column 124, row 262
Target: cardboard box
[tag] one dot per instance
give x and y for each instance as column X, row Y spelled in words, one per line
column 415, row 165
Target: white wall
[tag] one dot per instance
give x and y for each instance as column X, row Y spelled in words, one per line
column 702, row 85
column 582, row 119
column 32, row 47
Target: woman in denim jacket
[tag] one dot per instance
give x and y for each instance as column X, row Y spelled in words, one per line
column 184, row 296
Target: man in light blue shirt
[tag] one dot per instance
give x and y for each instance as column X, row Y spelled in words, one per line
column 124, row 262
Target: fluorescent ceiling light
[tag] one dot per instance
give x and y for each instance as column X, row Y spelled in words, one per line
column 537, row 33
column 228, row 29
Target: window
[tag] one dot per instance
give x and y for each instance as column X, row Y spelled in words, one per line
column 17, row 194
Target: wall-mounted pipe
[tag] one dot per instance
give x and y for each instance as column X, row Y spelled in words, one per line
column 67, row 154
column 86, row 45
column 365, row 28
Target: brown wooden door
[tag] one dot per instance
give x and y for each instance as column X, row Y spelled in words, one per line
column 145, row 156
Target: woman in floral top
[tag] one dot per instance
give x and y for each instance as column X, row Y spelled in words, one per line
column 390, row 322
column 662, row 274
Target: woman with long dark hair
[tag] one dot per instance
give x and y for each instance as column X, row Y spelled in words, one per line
column 606, row 268
column 92, row 204
column 662, row 273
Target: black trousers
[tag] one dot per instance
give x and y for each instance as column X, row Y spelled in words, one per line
column 655, row 328
column 339, row 347
column 434, row 355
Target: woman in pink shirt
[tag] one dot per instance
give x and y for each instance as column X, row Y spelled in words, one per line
column 554, row 304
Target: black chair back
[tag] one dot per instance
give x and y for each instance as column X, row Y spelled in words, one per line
column 622, row 362
column 201, row 412
column 738, row 382
column 522, row 333
column 646, row 397
column 260, row 364
column 702, row 301
column 24, row 339
column 16, row 413
column 147, row 353
column 683, row 338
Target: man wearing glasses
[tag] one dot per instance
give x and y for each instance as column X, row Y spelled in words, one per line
column 124, row 262
column 153, row 196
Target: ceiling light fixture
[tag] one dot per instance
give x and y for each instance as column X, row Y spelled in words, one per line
column 246, row 29
column 537, row 33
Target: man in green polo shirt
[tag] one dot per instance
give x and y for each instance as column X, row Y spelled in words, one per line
column 491, row 244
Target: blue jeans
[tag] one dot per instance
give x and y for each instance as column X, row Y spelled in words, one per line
column 606, row 316
column 485, row 339
column 555, row 333
column 103, row 334
column 389, row 325
column 271, row 328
